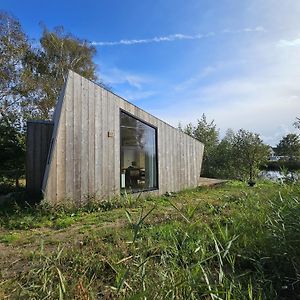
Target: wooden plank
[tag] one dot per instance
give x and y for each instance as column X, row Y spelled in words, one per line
column 77, row 137
column 116, row 151
column 91, row 138
column 51, row 186
column 193, row 163
column 61, row 156
column 84, row 141
column 110, row 143
column 30, row 158
column 37, row 156
column 174, row 160
column 98, row 141
column 47, row 129
column 69, row 124
column 167, row 158
column 105, row 146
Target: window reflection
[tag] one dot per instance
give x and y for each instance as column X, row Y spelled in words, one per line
column 138, row 154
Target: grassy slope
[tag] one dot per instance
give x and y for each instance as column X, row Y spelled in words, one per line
column 230, row 242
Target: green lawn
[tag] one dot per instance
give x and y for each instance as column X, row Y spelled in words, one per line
column 228, row 242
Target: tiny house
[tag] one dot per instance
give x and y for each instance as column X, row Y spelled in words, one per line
column 99, row 145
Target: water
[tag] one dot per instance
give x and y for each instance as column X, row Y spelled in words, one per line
column 278, row 176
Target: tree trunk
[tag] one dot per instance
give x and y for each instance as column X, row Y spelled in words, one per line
column 17, row 182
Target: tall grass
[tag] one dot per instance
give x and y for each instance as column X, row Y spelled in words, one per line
column 248, row 248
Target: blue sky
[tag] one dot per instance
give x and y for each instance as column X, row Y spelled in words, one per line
column 236, row 61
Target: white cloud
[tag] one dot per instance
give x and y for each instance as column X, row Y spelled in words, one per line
column 190, row 82
column 289, row 43
column 265, row 106
column 257, row 88
column 115, row 76
column 247, row 29
column 176, row 37
column 134, row 96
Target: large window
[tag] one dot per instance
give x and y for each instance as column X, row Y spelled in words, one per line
column 138, row 154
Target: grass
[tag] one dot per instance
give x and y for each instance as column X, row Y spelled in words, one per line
column 229, row 242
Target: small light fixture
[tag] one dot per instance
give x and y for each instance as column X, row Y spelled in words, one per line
column 110, row 134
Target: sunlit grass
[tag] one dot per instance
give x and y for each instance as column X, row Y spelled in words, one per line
column 230, row 242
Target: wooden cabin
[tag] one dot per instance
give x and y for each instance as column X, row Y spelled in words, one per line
column 99, row 145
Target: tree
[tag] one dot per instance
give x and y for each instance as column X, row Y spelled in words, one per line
column 208, row 134
column 30, row 82
column 297, row 123
column 249, row 153
column 12, row 145
column 223, row 164
column 49, row 65
column 289, row 146
column 13, row 48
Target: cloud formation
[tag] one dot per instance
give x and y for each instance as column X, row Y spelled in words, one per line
column 177, row 37
column 289, row 43
column 115, row 76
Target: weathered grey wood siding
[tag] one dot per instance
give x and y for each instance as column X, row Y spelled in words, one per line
column 37, row 143
column 85, row 160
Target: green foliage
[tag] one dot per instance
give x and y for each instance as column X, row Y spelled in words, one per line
column 12, row 145
column 249, row 153
column 13, row 46
column 289, row 146
column 48, row 67
column 31, row 79
column 291, row 165
column 237, row 156
column 234, row 243
column 223, row 162
column 207, row 133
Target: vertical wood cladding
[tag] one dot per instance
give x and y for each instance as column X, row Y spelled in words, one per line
column 37, row 147
column 85, row 159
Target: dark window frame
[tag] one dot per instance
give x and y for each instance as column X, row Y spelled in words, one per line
column 156, row 151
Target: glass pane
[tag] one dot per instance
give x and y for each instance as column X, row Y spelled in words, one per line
column 138, row 155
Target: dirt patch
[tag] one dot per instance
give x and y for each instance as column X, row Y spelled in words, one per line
column 15, row 259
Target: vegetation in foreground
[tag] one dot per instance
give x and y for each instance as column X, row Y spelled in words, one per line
column 229, row 242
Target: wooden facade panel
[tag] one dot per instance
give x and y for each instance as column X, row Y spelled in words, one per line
column 110, row 129
column 98, row 142
column 84, row 172
column 77, row 94
column 116, row 157
column 86, row 156
column 30, row 158
column 105, row 146
column 91, row 138
column 61, row 155
column 69, row 142
column 38, row 143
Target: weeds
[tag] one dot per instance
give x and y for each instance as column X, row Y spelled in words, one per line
column 232, row 242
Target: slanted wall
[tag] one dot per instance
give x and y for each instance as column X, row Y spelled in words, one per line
column 85, row 158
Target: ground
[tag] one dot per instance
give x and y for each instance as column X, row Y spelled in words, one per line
column 116, row 249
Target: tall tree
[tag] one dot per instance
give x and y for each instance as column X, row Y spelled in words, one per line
column 289, row 146
column 249, row 153
column 13, row 48
column 49, row 67
column 30, row 82
column 224, row 160
column 207, row 133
